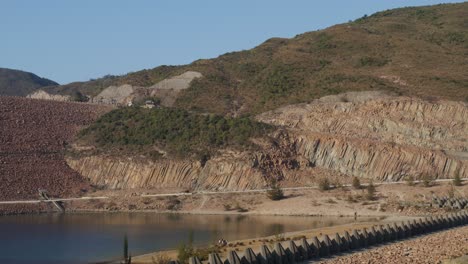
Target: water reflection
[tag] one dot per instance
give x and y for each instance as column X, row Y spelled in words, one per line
column 92, row 237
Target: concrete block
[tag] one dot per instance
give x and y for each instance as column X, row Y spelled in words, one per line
column 249, row 257
column 464, row 218
column 385, row 234
column 347, row 241
column 372, row 236
column 306, row 250
column 265, row 256
column 397, row 231
column 315, row 245
column 422, row 226
column 214, row 258
column 402, row 230
column 325, row 246
column 416, row 227
column 194, row 260
column 458, row 219
column 408, row 229
column 430, row 226
column 233, row 258
column 293, row 252
column 444, row 222
column 391, row 232
column 279, row 254
column 365, row 238
column 356, row 240
column 337, row 244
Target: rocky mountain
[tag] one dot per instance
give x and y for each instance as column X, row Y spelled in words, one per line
column 20, row 83
column 415, row 51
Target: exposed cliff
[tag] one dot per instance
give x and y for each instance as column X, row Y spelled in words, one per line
column 226, row 172
column 379, row 136
column 370, row 135
column 40, row 94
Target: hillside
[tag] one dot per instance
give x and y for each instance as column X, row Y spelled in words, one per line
column 20, row 83
column 416, row 51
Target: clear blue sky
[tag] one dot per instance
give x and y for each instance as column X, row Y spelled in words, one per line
column 76, row 40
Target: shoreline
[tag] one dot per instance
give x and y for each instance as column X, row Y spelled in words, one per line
column 255, row 242
column 186, row 212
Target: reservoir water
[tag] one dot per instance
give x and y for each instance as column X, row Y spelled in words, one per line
column 93, row 237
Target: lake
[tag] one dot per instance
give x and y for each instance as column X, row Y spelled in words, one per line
column 92, row 237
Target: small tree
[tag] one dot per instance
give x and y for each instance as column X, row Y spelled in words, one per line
column 127, row 259
column 324, row 184
column 370, row 192
column 356, row 183
column 410, row 180
column 125, row 248
column 457, row 180
column 275, row 193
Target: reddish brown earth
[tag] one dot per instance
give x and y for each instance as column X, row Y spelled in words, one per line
column 33, row 139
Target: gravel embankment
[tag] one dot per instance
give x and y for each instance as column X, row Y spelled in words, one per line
column 433, row 248
column 33, row 137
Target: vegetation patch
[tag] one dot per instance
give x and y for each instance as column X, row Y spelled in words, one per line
column 176, row 131
column 372, row 61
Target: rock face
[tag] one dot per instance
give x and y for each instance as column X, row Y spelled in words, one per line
column 179, row 82
column 226, row 172
column 40, row 94
column 380, row 161
column 115, row 95
column 370, row 135
column 167, row 90
column 380, row 137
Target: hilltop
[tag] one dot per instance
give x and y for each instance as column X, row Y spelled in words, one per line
column 414, row 51
column 20, row 83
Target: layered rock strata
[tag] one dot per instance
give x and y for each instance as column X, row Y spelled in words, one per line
column 369, row 135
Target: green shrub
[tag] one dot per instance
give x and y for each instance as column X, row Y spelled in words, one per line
column 324, row 184
column 427, row 180
column 240, row 209
column 186, row 250
column 370, row 195
column 275, row 193
column 457, row 180
column 177, row 131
